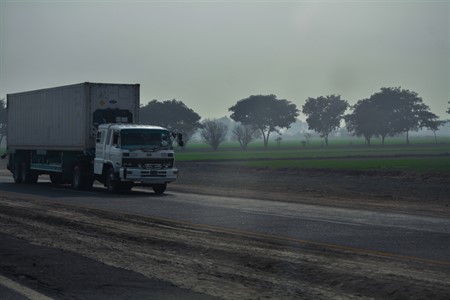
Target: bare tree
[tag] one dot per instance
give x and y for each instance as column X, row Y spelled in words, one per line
column 431, row 121
column 244, row 134
column 278, row 140
column 213, row 133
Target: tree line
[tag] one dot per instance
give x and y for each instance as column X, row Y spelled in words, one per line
column 386, row 113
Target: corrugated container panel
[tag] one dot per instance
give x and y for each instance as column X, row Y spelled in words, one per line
column 61, row 118
column 48, row 119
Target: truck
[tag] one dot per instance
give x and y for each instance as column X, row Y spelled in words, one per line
column 84, row 132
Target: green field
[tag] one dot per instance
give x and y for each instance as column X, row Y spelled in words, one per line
column 418, row 157
column 333, row 142
column 336, row 151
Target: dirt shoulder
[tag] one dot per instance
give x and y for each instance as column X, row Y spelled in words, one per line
column 424, row 193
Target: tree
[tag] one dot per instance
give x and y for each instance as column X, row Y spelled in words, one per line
column 265, row 112
column 213, row 133
column 448, row 110
column 172, row 114
column 3, row 122
column 363, row 120
column 389, row 112
column 324, row 114
column 400, row 111
column 408, row 113
column 244, row 134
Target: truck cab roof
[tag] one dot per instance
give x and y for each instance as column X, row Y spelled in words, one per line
column 119, row 126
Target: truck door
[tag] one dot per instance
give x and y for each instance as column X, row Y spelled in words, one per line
column 113, row 150
column 99, row 151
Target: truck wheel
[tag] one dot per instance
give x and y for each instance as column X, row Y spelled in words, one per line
column 33, row 176
column 89, row 182
column 28, row 175
column 111, row 183
column 160, row 188
column 126, row 186
column 56, row 178
column 77, row 178
column 17, row 173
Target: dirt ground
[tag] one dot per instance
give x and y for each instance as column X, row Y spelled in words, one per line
column 230, row 265
column 425, row 193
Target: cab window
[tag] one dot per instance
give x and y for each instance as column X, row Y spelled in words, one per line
column 115, row 139
column 99, row 137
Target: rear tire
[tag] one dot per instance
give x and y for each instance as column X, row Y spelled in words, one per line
column 56, row 178
column 28, row 175
column 82, row 178
column 159, row 188
column 17, row 173
column 77, row 178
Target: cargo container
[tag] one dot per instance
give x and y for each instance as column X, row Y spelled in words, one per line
column 83, row 132
column 66, row 118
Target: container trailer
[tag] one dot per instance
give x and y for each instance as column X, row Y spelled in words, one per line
column 85, row 132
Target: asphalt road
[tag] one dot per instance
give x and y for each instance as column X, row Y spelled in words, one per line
column 34, row 272
column 408, row 236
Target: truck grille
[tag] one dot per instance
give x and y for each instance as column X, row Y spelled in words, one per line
column 148, row 164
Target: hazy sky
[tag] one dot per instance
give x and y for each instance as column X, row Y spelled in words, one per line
column 210, row 54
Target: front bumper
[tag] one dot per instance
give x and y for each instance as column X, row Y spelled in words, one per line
column 146, row 176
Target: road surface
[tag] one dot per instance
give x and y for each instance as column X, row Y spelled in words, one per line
column 422, row 237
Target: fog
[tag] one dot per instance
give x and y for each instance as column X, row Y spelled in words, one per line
column 210, row 54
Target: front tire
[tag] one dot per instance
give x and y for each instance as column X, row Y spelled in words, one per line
column 111, row 182
column 126, row 187
column 160, row 188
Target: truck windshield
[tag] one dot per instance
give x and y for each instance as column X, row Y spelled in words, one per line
column 145, row 139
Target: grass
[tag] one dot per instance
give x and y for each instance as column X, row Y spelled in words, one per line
column 333, row 142
column 421, row 156
column 311, row 152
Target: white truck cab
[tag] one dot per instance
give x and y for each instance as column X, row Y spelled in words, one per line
column 127, row 155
